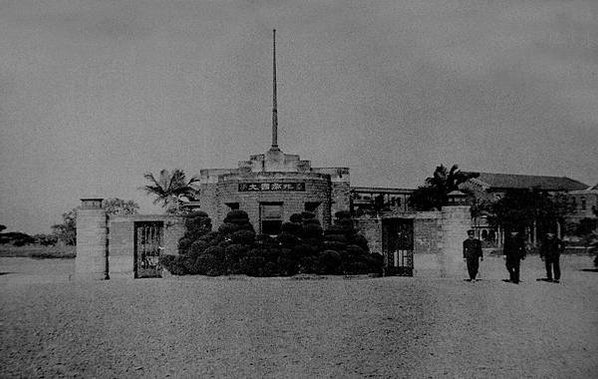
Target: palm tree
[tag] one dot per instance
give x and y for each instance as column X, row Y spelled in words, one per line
column 171, row 189
column 434, row 194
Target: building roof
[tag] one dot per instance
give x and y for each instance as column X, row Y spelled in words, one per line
column 386, row 190
column 512, row 181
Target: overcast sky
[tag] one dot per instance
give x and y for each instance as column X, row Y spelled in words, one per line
column 93, row 94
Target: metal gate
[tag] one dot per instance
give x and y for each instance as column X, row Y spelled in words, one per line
column 148, row 245
column 397, row 245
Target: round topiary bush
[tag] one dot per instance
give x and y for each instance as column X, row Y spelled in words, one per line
column 337, row 238
column 243, row 237
column 334, row 229
column 312, row 231
column 307, row 215
column 296, row 218
column 175, row 264
column 311, row 221
column 287, row 239
column 197, row 248
column 217, row 251
column 184, row 244
column 361, row 241
column 236, row 216
column 342, row 215
column 252, row 265
column 209, row 264
column 291, row 228
column 329, row 262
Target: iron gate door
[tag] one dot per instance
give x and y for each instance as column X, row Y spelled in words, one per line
column 397, row 245
column 148, row 245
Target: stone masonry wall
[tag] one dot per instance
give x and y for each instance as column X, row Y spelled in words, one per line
column 91, row 261
column 456, row 220
column 427, row 230
column 215, row 196
column 371, row 229
column 121, row 240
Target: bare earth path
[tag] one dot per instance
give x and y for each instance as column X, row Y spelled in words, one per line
column 250, row 327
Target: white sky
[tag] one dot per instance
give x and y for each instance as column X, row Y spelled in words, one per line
column 95, row 93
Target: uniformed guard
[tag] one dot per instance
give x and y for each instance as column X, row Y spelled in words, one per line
column 550, row 253
column 472, row 252
column 514, row 252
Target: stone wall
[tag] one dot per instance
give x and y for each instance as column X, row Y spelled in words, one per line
column 121, row 240
column 371, row 229
column 106, row 244
column 91, row 261
column 438, row 238
column 456, row 220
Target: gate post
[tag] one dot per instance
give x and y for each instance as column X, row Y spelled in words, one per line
column 91, row 261
column 456, row 220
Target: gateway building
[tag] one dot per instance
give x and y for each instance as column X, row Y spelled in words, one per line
column 271, row 187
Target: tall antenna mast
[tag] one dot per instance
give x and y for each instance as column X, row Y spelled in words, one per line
column 274, row 106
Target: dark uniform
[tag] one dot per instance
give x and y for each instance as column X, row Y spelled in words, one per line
column 514, row 250
column 550, row 252
column 472, row 252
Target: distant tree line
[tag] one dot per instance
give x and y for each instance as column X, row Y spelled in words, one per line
column 66, row 232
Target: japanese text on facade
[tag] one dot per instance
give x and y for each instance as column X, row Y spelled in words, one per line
column 251, row 187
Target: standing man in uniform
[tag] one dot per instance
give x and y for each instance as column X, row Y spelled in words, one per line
column 472, row 251
column 550, row 252
column 514, row 252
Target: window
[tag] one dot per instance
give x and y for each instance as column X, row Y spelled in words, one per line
column 270, row 218
column 583, row 203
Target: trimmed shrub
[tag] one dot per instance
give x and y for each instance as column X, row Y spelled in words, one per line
column 287, row 239
column 252, row 265
column 308, row 265
column 216, row 251
column 307, row 215
column 265, row 240
column 291, row 228
column 360, row 241
column 342, row 215
column 184, row 244
column 209, row 264
column 243, row 237
column 175, row 264
column 212, row 238
column 236, row 214
column 296, row 218
column 354, row 251
column 334, row 229
column 197, row 248
column 329, row 262
column 337, row 238
column 312, row 231
column 312, row 221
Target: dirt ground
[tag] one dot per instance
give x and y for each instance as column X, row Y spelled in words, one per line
column 425, row 326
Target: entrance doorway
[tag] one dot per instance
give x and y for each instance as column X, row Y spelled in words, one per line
column 148, row 246
column 397, row 246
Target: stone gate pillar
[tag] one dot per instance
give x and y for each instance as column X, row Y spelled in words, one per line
column 91, row 261
column 456, row 220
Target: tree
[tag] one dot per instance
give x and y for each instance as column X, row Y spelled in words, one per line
column 434, row 194
column 67, row 231
column 524, row 208
column 120, row 207
column 171, row 189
